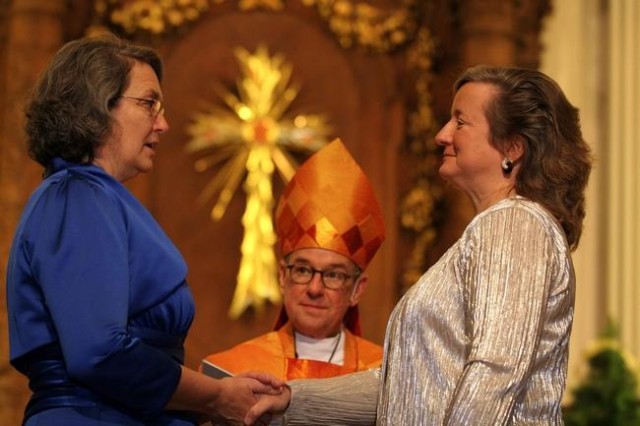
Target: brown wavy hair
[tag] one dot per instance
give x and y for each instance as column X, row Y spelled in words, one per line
column 69, row 114
column 530, row 108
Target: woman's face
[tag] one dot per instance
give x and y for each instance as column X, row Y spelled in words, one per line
column 130, row 147
column 469, row 161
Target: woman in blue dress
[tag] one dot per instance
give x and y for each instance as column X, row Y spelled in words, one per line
column 97, row 299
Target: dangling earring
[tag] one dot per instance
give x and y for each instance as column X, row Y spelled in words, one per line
column 507, row 165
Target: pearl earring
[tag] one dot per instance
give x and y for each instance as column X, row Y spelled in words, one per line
column 507, row 165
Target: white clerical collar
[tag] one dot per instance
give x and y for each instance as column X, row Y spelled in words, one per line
column 330, row 349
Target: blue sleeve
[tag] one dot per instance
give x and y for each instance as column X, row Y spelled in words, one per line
column 82, row 263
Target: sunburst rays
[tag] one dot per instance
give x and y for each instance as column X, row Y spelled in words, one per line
column 248, row 139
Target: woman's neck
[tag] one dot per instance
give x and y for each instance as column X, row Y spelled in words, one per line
column 482, row 202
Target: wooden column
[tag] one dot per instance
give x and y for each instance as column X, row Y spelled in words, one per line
column 531, row 15
column 487, row 32
column 34, row 32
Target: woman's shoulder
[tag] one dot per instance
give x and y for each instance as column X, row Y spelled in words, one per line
column 76, row 188
column 517, row 206
column 518, row 213
column 84, row 182
column 82, row 174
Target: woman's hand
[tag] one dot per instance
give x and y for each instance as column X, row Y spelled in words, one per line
column 268, row 405
column 276, row 385
column 223, row 401
column 238, row 394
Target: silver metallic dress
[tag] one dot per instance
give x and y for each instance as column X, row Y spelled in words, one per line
column 481, row 339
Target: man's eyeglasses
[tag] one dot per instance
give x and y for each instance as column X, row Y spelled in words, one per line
column 155, row 106
column 331, row 278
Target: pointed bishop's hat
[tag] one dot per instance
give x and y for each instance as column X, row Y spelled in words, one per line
column 330, row 204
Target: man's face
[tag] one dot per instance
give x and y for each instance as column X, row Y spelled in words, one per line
column 313, row 309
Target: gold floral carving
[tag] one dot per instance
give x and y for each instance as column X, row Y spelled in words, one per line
column 360, row 24
column 149, row 17
column 353, row 23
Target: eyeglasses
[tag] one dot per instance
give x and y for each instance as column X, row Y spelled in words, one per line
column 155, row 106
column 331, row 278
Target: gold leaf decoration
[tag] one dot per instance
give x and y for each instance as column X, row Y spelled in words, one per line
column 360, row 24
column 151, row 17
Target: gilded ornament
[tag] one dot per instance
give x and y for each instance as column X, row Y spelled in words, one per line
column 151, row 17
column 361, row 24
column 251, row 138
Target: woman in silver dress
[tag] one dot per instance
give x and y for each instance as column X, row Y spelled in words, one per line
column 482, row 338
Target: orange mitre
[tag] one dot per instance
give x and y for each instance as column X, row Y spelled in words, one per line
column 330, row 204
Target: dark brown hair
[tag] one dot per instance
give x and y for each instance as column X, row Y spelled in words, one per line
column 69, row 113
column 531, row 109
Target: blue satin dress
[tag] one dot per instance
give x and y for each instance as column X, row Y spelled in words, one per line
column 98, row 305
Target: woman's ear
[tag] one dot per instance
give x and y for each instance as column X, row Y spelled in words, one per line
column 515, row 150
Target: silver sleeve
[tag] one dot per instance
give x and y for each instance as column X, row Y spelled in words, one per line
column 351, row 399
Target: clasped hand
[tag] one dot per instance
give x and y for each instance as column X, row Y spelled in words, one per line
column 249, row 398
column 271, row 397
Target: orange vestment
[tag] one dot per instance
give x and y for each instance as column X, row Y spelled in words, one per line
column 274, row 353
